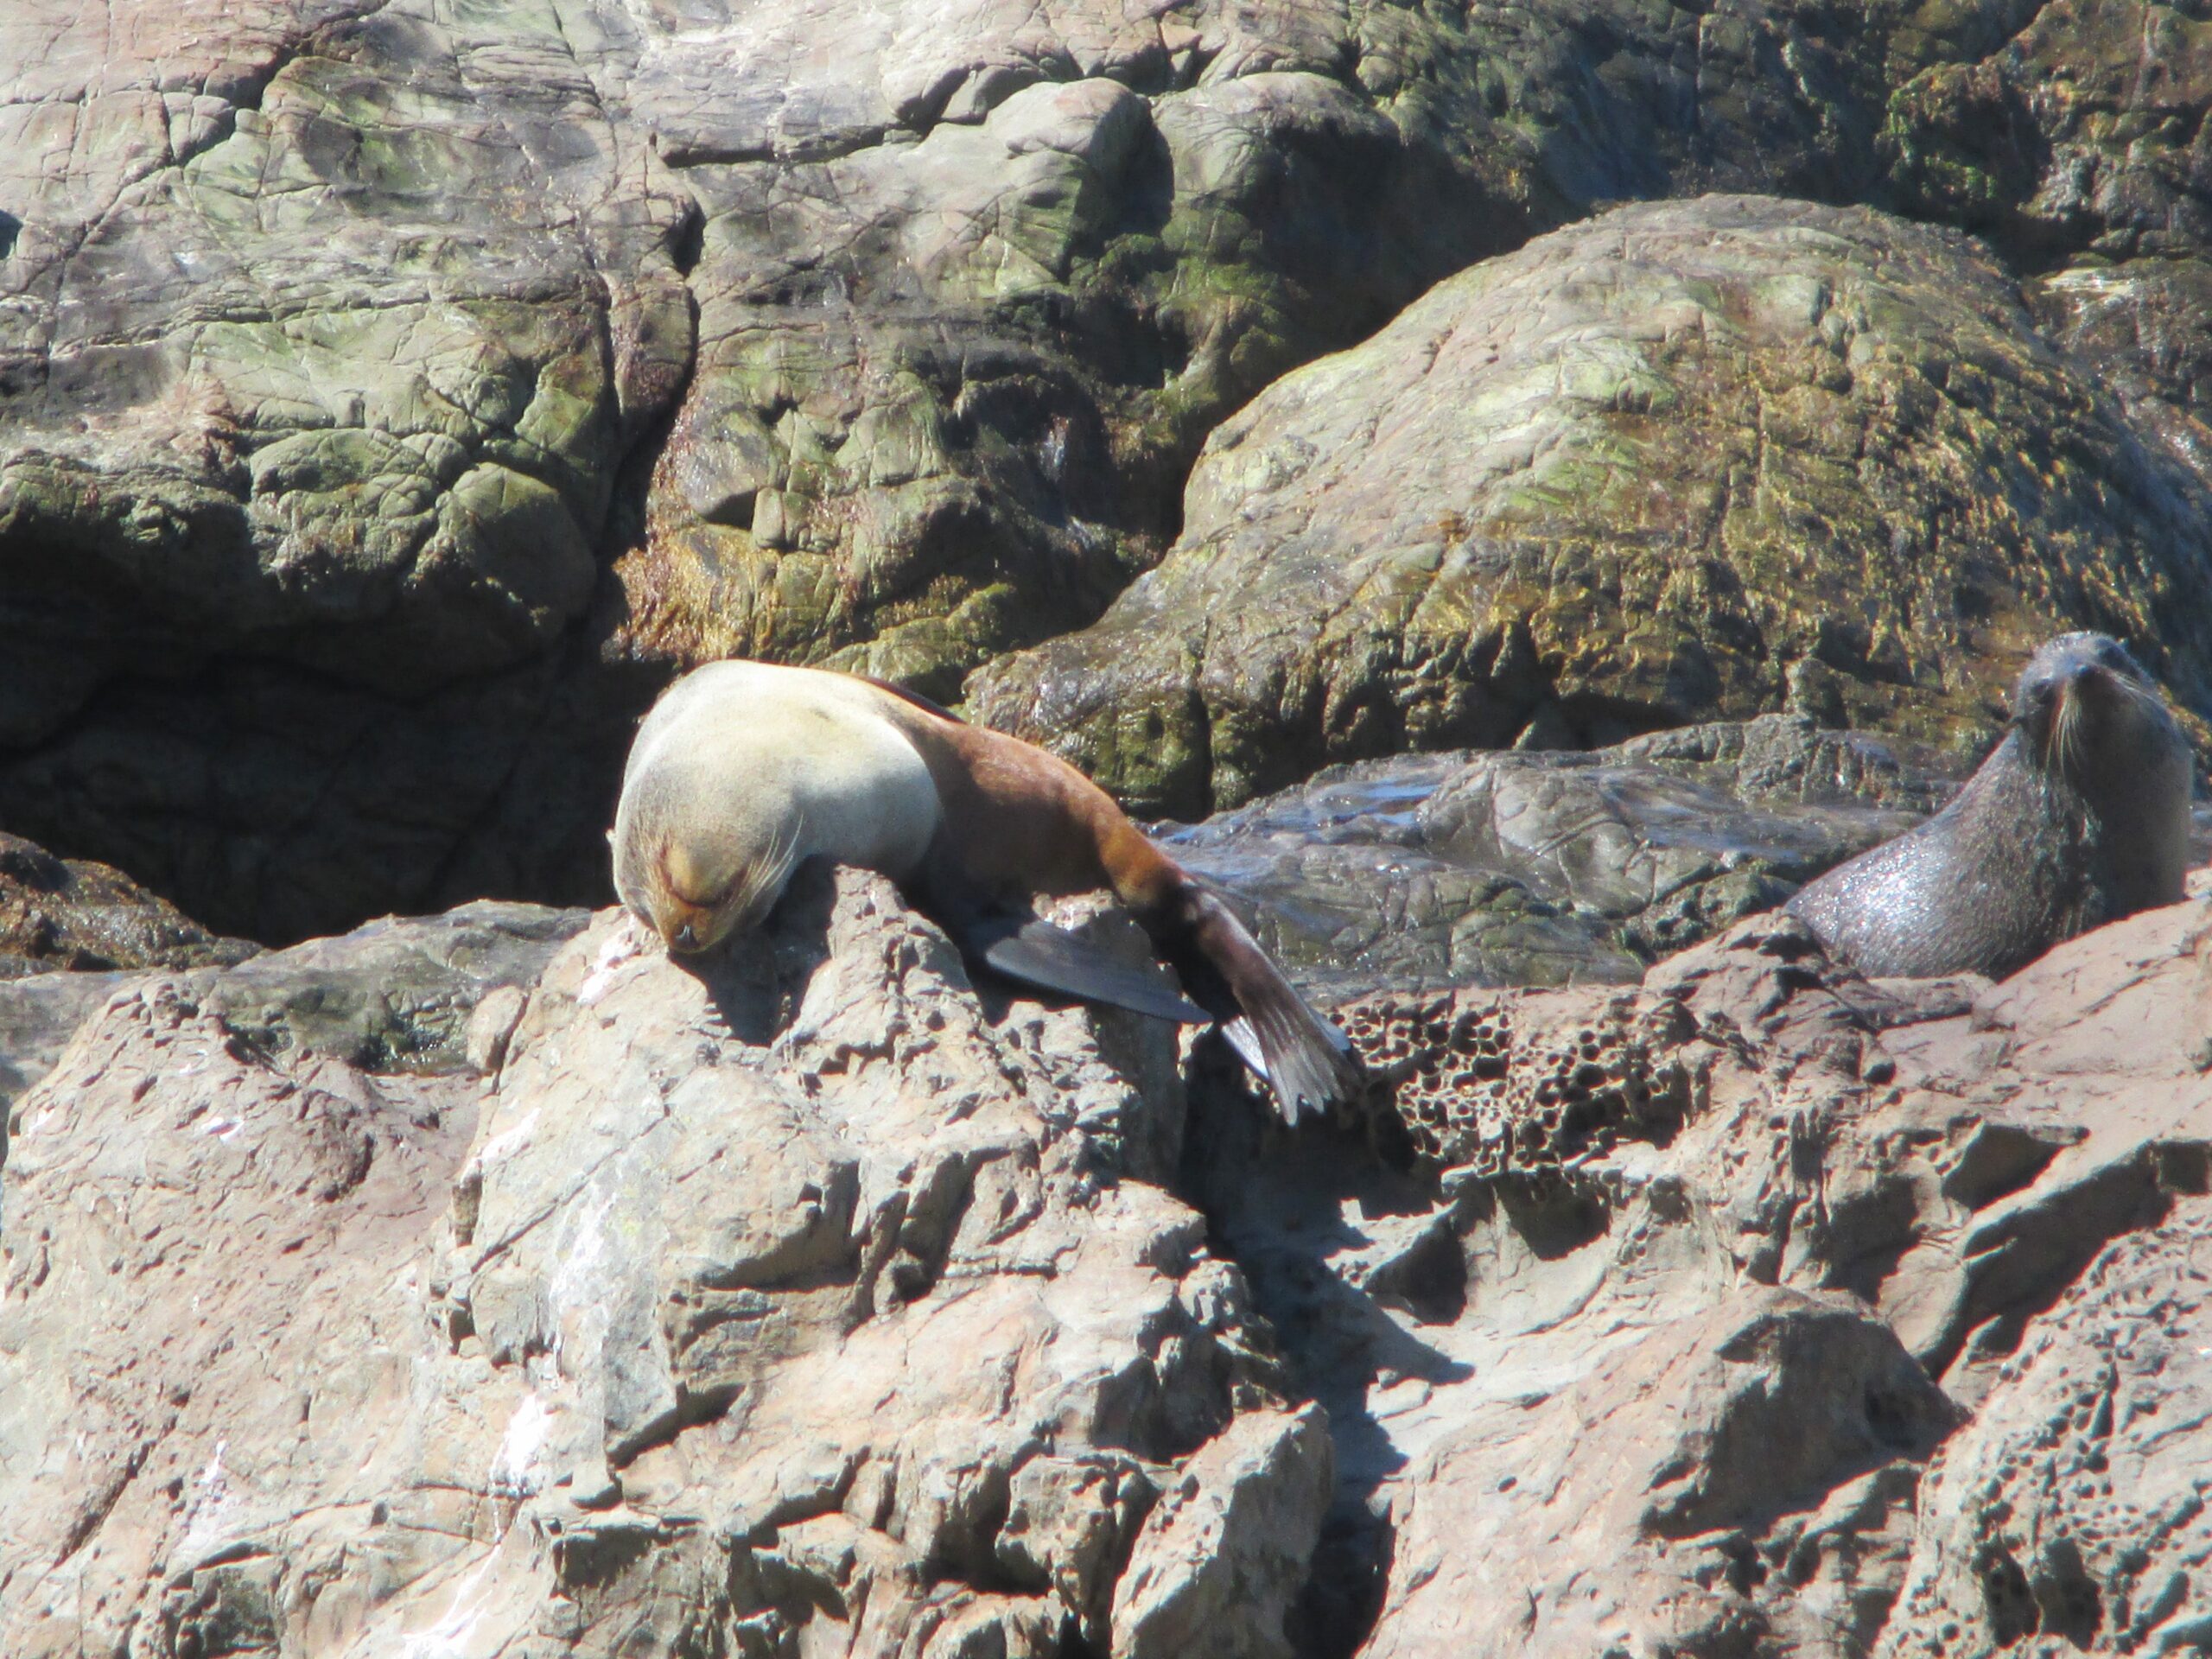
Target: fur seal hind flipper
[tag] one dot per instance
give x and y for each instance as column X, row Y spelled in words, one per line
column 1306, row 1060
column 1038, row 953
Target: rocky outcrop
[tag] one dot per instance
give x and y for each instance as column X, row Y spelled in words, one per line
column 72, row 914
column 392, row 398
column 820, row 1302
column 1679, row 460
column 1758, row 1308
column 380, row 375
column 808, row 1303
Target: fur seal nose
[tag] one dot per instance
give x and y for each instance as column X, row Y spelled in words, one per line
column 685, row 938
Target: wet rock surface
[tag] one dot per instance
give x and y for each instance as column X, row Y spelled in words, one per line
column 70, row 914
column 1549, row 868
column 1680, row 460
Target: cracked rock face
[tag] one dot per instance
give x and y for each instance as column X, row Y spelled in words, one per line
column 393, row 395
column 802, row 1307
column 378, row 380
column 1680, row 460
column 562, row 1300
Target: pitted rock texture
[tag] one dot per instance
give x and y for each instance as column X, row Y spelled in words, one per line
column 69, row 915
column 1679, row 461
column 1435, row 871
column 2072, row 1510
column 808, row 1305
column 1498, row 1084
column 1879, row 1337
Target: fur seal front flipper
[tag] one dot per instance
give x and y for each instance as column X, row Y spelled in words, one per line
column 1036, row 952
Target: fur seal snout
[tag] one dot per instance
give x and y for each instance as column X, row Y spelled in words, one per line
column 743, row 770
column 2079, row 816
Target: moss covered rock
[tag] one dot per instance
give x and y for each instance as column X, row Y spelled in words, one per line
column 1684, row 461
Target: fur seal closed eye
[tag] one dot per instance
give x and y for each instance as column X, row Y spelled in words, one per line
column 2078, row 817
column 744, row 769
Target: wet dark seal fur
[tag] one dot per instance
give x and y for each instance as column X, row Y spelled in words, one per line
column 2078, row 817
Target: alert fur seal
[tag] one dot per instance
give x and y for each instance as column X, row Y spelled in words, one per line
column 744, row 769
column 2079, row 816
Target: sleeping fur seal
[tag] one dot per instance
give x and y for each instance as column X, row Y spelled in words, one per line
column 2079, row 816
column 744, row 769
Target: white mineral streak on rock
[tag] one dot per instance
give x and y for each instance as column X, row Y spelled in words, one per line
column 204, row 1513
column 621, row 947
column 505, row 1143
column 513, row 1470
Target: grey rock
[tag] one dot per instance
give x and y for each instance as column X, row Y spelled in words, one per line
column 1226, row 1547
column 399, row 995
column 1546, row 868
column 2066, row 1511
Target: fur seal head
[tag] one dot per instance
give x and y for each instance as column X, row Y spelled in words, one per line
column 2083, row 684
column 743, row 770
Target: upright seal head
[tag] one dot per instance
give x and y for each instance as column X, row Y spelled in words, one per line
column 744, row 769
column 2078, row 817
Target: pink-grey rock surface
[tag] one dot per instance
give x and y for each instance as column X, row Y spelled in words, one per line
column 821, row 1303
column 802, row 1308
column 395, row 393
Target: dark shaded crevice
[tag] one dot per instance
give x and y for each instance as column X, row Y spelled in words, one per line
column 1273, row 1203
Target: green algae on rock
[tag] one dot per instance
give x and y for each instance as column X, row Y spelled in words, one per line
column 1684, row 461
column 69, row 914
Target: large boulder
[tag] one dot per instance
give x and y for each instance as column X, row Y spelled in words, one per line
column 1680, row 460
column 805, row 1305
column 392, row 396
column 817, row 1301
column 347, row 352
